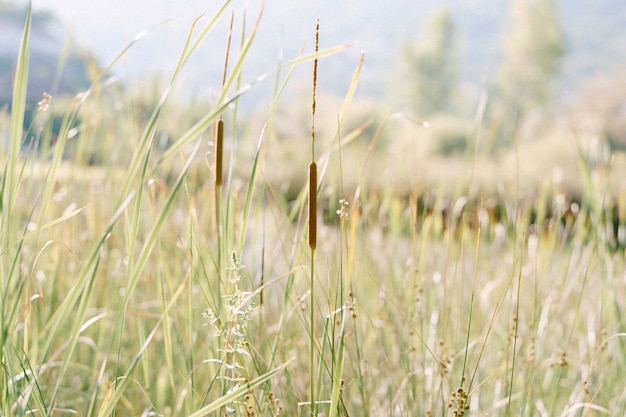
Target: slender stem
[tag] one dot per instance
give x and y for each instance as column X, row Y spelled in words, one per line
column 313, row 222
column 312, row 326
column 471, row 307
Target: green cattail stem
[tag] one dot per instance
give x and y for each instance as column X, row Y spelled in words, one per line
column 312, row 205
column 219, row 152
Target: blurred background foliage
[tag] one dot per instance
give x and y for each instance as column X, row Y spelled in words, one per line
column 546, row 83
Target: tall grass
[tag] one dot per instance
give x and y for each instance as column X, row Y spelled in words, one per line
column 178, row 281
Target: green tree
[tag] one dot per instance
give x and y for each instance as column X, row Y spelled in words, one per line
column 534, row 48
column 428, row 70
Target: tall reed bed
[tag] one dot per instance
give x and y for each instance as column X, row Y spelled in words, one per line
column 172, row 285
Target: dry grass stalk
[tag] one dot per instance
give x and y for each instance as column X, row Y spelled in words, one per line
column 313, row 103
column 230, row 35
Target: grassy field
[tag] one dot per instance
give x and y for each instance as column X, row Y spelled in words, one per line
column 146, row 276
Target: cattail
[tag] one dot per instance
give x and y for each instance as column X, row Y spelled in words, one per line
column 219, row 152
column 313, row 165
column 313, row 221
column 312, row 205
column 219, row 132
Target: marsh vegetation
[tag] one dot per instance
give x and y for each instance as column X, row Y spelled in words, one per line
column 153, row 266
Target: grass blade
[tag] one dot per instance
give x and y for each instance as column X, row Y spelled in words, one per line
column 239, row 392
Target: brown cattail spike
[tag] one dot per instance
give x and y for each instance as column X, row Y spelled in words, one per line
column 219, row 152
column 312, row 205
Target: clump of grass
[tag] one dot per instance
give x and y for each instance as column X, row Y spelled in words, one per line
column 232, row 328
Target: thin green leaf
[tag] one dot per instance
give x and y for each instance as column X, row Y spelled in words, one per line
column 233, row 395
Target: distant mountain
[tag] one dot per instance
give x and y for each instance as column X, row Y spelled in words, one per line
column 46, row 49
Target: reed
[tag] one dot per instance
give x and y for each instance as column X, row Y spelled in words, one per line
column 118, row 297
column 219, row 173
column 219, row 130
column 313, row 228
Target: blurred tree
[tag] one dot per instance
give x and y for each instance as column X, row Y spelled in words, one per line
column 534, row 49
column 598, row 110
column 429, row 69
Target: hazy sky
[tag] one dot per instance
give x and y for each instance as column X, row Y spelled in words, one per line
column 107, row 27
